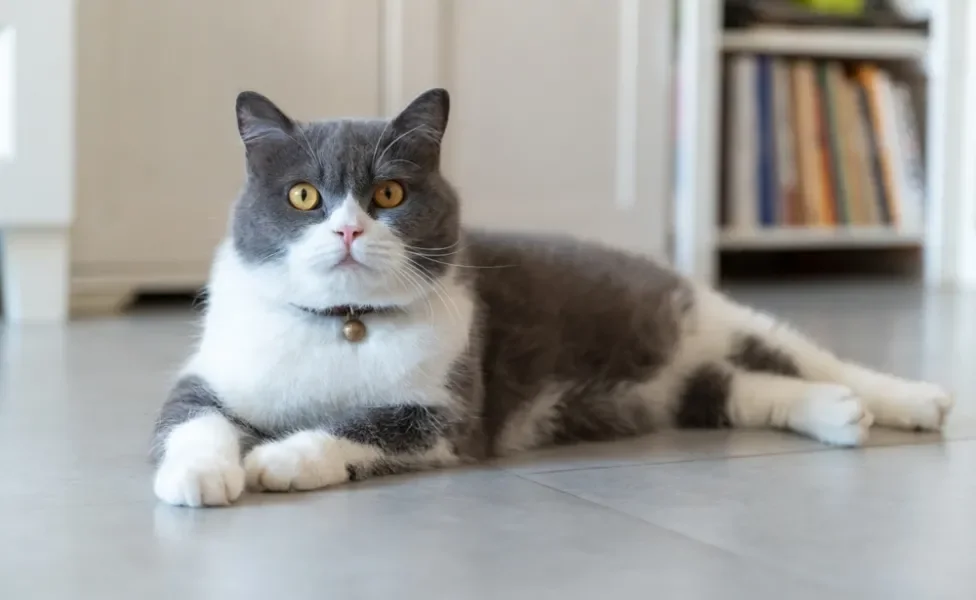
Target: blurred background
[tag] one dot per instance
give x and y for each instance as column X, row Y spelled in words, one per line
column 740, row 140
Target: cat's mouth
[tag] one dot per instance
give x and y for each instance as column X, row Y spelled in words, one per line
column 349, row 262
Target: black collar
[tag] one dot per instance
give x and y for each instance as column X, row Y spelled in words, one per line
column 347, row 310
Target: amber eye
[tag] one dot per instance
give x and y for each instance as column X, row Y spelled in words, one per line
column 303, row 196
column 388, row 194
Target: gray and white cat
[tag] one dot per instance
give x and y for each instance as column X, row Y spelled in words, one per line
column 355, row 329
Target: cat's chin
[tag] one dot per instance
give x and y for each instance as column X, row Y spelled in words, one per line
column 295, row 283
column 348, row 262
column 353, row 283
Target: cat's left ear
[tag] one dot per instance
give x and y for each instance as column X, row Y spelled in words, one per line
column 259, row 118
column 425, row 119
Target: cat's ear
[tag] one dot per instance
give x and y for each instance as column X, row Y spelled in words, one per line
column 426, row 117
column 259, row 118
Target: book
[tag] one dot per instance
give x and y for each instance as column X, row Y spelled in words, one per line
column 909, row 201
column 867, row 193
column 790, row 209
column 843, row 143
column 853, row 165
column 828, row 136
column 766, row 165
column 872, row 80
column 912, row 169
column 808, row 151
column 742, row 145
column 875, row 178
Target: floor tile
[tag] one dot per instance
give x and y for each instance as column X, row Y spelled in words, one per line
column 464, row 534
column 730, row 514
column 894, row 522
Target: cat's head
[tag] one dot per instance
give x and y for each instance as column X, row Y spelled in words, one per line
column 345, row 211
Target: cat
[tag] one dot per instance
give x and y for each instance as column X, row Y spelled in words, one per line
column 353, row 328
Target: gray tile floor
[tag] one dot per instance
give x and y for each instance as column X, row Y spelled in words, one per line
column 677, row 515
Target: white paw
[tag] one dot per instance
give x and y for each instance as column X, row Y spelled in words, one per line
column 833, row 415
column 911, row 405
column 199, row 481
column 305, row 461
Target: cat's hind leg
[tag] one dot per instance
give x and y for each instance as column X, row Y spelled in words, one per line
column 719, row 395
column 759, row 343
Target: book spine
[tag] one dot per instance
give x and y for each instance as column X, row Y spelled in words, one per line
column 741, row 153
column 854, row 166
column 913, row 169
column 791, row 212
column 868, row 194
column 808, row 142
column 832, row 199
column 836, row 142
column 872, row 80
column 766, row 167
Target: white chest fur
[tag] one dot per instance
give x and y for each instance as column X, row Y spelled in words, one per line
column 270, row 363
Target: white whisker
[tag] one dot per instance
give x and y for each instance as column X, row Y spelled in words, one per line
column 450, row 264
column 417, row 285
column 402, row 160
column 435, row 285
column 378, row 140
column 409, row 247
column 400, row 137
column 436, row 254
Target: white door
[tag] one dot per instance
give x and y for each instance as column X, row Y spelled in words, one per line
column 561, row 110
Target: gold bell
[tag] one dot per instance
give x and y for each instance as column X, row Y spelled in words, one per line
column 353, row 329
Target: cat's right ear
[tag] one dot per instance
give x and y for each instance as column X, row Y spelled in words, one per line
column 258, row 118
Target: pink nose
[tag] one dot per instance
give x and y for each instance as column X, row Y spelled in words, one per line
column 349, row 234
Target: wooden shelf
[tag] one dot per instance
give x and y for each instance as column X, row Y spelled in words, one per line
column 788, row 238
column 829, row 42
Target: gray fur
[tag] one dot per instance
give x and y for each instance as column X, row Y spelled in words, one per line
column 398, row 431
column 703, row 398
column 557, row 310
column 751, row 353
column 189, row 398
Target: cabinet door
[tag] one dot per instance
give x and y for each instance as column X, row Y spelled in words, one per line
column 560, row 110
column 36, row 113
column 159, row 159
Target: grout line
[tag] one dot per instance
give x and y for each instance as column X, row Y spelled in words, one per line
column 716, row 458
column 758, row 562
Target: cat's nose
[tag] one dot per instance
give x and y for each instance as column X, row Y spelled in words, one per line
column 349, row 233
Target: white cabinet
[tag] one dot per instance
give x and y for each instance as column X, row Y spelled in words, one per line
column 561, row 110
column 36, row 155
column 560, row 116
column 159, row 160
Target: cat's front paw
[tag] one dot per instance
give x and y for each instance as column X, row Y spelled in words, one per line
column 911, row 405
column 199, row 481
column 304, row 461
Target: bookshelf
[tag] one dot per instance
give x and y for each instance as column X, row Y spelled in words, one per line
column 808, row 238
column 867, row 44
column 703, row 46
